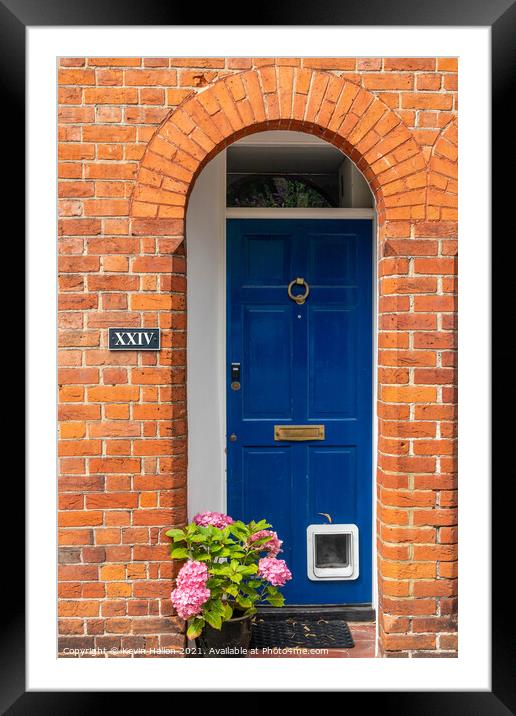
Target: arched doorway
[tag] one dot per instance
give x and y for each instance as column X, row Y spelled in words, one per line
column 333, row 247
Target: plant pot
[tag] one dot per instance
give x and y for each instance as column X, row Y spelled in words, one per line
column 231, row 641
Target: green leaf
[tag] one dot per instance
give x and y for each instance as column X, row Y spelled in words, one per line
column 202, row 531
column 239, row 530
column 226, row 552
column 244, row 602
column 213, row 619
column 214, row 583
column 275, row 600
column 212, row 531
column 217, row 536
column 250, row 591
column 259, row 542
column 261, row 525
column 248, row 569
column 195, row 627
column 254, row 583
column 220, row 569
column 175, row 533
column 217, row 606
column 179, row 553
column 228, row 611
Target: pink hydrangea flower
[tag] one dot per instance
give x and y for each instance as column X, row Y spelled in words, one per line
column 188, row 601
column 273, row 544
column 274, row 571
column 191, row 591
column 192, row 574
column 216, row 519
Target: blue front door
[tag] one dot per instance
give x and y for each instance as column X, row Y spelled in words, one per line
column 305, row 364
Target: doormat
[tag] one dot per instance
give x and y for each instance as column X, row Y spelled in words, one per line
column 300, row 632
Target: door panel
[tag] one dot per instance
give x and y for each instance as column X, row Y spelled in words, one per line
column 267, row 482
column 332, row 259
column 267, row 260
column 324, row 464
column 301, row 365
column 267, row 340
column 331, row 360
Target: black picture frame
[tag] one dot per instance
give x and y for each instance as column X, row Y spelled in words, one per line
column 500, row 16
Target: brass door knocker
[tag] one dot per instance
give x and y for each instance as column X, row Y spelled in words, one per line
column 301, row 297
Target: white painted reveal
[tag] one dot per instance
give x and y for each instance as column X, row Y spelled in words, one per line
column 206, row 331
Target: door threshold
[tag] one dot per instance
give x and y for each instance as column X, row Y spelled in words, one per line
column 347, row 612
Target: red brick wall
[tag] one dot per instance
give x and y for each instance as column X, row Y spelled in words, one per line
column 128, row 157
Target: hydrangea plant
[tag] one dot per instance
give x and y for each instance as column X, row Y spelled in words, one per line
column 231, row 567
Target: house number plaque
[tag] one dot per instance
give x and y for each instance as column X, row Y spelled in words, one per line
column 134, row 339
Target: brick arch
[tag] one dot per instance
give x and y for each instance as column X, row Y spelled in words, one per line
column 272, row 97
column 442, row 175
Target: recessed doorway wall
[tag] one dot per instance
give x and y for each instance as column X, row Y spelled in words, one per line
column 286, row 152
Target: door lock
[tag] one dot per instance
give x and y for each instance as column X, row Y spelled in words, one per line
column 235, row 376
column 233, row 438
